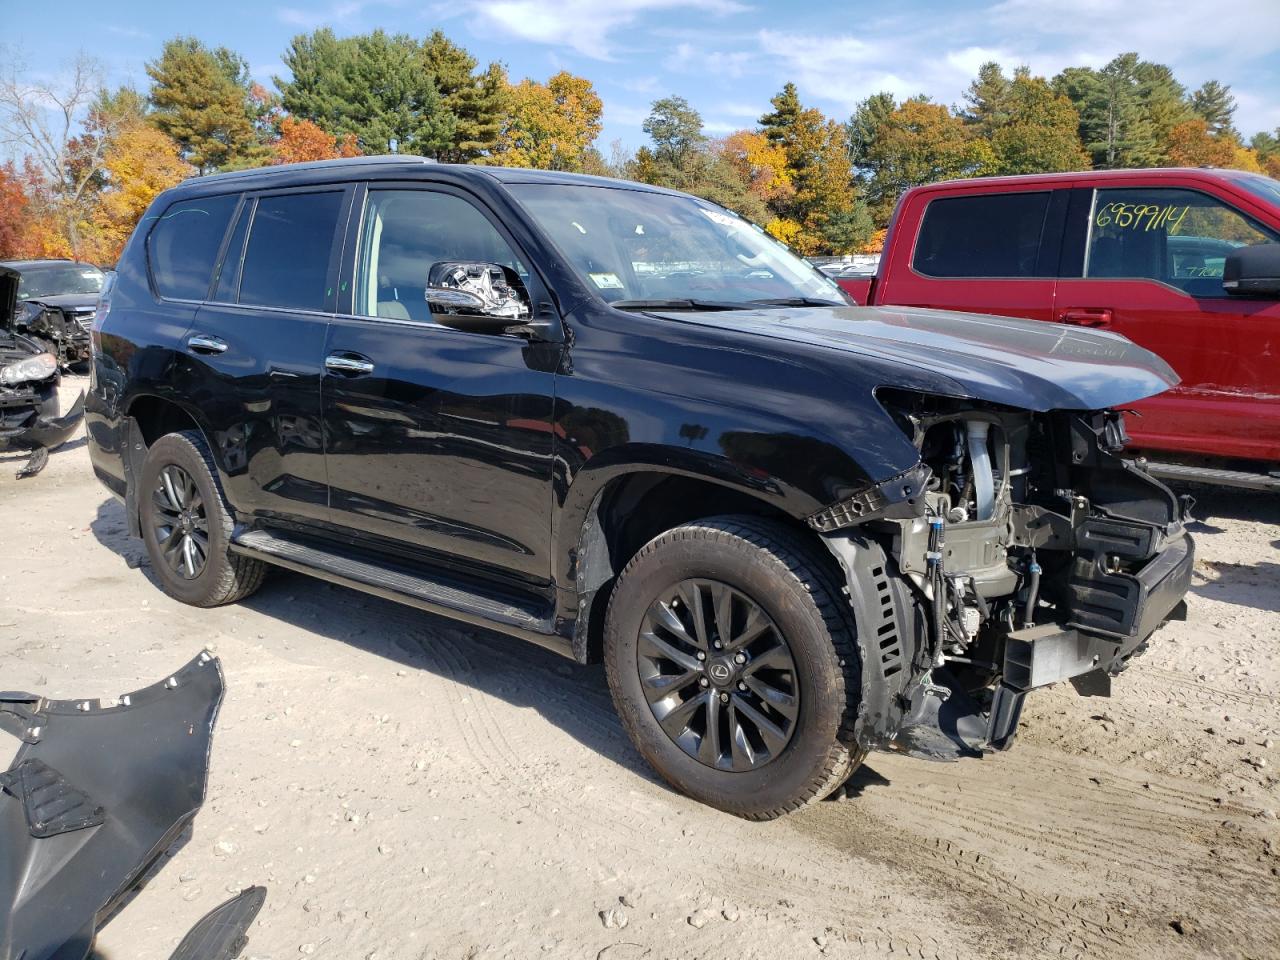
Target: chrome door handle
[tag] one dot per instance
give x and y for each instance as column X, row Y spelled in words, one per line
column 348, row 364
column 202, row 343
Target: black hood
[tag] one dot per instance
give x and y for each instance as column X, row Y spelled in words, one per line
column 1029, row 364
column 68, row 301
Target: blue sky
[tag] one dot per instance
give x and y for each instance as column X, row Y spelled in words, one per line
column 727, row 57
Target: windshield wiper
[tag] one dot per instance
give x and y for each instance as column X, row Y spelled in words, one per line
column 796, row 302
column 679, row 304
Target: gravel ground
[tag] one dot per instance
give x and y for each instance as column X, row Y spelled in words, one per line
column 406, row 788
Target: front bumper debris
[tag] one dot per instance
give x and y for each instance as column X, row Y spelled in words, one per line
column 42, row 435
column 97, row 792
column 943, row 722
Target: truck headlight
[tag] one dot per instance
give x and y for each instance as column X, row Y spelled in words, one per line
column 40, row 367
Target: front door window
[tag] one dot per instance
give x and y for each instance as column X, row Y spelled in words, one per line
column 1176, row 237
column 404, row 233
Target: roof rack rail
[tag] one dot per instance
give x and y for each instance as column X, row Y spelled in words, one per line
column 390, row 158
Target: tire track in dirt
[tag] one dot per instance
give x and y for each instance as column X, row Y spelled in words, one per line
column 1061, row 863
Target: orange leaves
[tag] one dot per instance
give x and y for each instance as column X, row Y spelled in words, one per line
column 139, row 163
column 302, row 140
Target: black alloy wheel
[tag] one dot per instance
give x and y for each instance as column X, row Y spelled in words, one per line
column 181, row 524
column 187, row 525
column 718, row 675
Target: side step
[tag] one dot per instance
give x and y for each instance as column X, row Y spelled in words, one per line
column 521, row 618
column 1223, row 478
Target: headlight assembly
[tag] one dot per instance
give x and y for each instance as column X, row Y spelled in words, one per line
column 40, row 367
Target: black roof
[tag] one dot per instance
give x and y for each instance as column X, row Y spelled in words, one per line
column 390, row 164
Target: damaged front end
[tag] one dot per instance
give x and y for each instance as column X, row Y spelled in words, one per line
column 29, row 377
column 97, row 792
column 1025, row 551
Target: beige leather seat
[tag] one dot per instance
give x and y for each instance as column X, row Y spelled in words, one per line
column 393, row 310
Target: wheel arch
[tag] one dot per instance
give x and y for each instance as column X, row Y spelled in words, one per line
column 147, row 418
column 625, row 511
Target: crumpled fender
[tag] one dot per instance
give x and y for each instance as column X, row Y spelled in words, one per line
column 98, row 791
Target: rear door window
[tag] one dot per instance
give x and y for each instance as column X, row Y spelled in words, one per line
column 1172, row 236
column 989, row 235
column 184, row 243
column 290, row 249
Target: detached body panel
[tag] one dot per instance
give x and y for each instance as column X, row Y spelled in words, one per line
column 98, row 790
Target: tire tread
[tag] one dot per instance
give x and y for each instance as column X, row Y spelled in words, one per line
column 806, row 567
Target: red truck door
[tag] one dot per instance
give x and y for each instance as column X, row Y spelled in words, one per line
column 1152, row 271
column 976, row 250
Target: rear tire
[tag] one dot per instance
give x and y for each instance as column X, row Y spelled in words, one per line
column 785, row 718
column 187, row 525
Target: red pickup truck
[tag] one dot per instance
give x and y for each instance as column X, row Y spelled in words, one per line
column 1183, row 262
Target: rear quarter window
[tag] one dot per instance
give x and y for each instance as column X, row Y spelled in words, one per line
column 184, row 243
column 990, row 235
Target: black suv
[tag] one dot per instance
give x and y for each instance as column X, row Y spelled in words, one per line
column 623, row 423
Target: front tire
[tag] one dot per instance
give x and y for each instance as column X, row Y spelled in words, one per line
column 186, row 525
column 733, row 664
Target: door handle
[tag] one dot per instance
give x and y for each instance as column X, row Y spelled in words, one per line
column 1086, row 317
column 348, row 364
column 203, row 343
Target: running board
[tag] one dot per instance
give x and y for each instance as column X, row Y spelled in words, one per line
column 1222, row 478
column 395, row 583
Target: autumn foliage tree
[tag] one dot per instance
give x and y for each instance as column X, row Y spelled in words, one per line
column 16, row 222
column 550, row 126
column 301, row 141
column 140, row 163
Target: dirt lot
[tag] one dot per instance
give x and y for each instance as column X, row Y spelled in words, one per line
column 408, row 789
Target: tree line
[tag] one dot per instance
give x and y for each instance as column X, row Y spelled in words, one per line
column 92, row 159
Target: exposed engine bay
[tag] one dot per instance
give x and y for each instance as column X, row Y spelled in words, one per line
column 60, row 328
column 1035, row 554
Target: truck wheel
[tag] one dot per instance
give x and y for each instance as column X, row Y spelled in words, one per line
column 186, row 525
column 733, row 665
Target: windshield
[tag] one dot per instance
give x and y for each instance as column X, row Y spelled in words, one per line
column 637, row 248
column 37, row 282
column 1263, row 187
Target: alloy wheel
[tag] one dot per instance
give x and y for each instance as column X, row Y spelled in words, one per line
column 718, row 675
column 180, row 522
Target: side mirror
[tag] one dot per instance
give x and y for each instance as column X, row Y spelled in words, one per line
column 1253, row 271
column 482, row 297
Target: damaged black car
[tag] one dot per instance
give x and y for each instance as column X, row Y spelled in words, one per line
column 57, row 301
column 627, row 425
column 29, row 378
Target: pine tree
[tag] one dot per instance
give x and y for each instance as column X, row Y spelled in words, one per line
column 200, row 98
column 1164, row 100
column 1215, row 105
column 476, row 101
column 824, row 213
column 372, row 87
column 987, row 98
column 779, row 126
column 1114, row 126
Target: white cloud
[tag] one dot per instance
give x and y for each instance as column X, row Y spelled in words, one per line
column 696, row 58
column 336, row 13
column 585, row 26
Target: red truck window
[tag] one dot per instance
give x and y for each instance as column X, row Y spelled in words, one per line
column 985, row 235
column 1173, row 236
